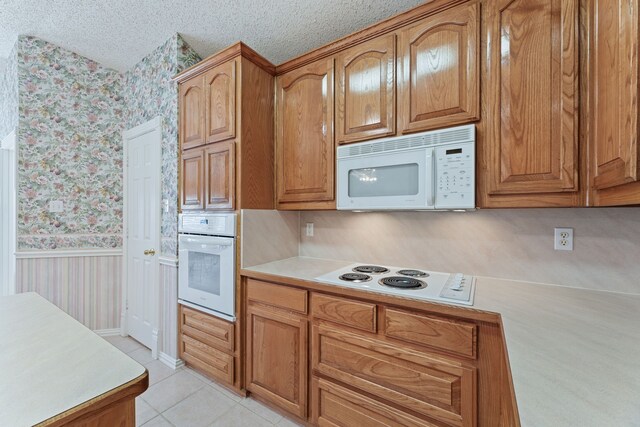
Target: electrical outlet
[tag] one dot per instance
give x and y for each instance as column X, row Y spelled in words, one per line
column 563, row 239
column 56, row 206
column 309, row 229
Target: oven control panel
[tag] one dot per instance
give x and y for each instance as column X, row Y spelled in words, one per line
column 455, row 176
column 209, row 224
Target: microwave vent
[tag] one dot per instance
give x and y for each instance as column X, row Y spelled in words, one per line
column 442, row 136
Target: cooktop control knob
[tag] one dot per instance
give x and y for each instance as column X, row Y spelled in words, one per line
column 458, row 287
column 457, row 283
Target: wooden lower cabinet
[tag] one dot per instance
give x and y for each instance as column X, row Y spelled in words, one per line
column 277, row 358
column 215, row 363
column 207, row 344
column 355, row 361
column 435, row 387
column 334, row 405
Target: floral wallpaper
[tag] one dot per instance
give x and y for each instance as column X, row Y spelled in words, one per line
column 9, row 94
column 69, row 149
column 70, row 113
column 148, row 93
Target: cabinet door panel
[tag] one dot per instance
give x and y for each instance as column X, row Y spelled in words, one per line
column 365, row 78
column 192, row 113
column 615, row 93
column 305, row 153
column 220, row 176
column 277, row 358
column 192, row 191
column 533, row 105
column 220, row 86
column 440, row 78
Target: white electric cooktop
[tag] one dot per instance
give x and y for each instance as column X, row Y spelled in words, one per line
column 405, row 282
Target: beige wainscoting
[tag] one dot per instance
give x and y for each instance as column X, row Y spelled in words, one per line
column 168, row 348
column 87, row 285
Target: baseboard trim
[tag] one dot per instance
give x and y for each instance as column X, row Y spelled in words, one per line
column 170, row 361
column 74, row 253
column 108, row 332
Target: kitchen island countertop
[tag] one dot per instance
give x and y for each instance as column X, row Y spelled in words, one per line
column 55, row 369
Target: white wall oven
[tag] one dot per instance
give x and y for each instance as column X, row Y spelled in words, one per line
column 422, row 171
column 206, row 257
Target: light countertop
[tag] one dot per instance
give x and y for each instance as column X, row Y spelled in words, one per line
column 574, row 353
column 51, row 363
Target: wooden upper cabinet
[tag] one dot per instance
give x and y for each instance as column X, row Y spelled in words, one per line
column 237, row 169
column 439, row 81
column 532, row 95
column 220, row 89
column 192, row 188
column 191, row 99
column 614, row 97
column 365, row 90
column 220, row 176
column 305, row 149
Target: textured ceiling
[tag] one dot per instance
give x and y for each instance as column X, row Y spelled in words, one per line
column 118, row 33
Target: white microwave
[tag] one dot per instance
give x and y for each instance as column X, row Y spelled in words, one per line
column 422, row 171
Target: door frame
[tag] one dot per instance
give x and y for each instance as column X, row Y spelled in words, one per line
column 152, row 125
column 8, row 261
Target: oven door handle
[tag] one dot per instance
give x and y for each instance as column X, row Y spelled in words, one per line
column 209, row 241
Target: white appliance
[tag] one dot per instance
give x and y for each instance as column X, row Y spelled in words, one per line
column 405, row 282
column 423, row 171
column 206, row 259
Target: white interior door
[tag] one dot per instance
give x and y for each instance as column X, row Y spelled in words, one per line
column 142, row 222
column 7, row 214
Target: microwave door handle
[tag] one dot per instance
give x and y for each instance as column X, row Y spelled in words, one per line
column 430, row 175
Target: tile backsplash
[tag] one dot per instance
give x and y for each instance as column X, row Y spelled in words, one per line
column 512, row 244
column 268, row 236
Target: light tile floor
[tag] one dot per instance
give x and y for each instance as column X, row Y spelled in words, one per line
column 184, row 398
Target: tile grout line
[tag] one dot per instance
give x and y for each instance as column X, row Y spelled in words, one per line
column 159, row 415
column 180, row 401
column 191, row 373
column 235, row 403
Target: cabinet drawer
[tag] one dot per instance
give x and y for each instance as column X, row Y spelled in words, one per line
column 435, row 387
column 209, row 360
column 207, row 329
column 338, row 406
column 277, row 295
column 356, row 314
column 456, row 337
